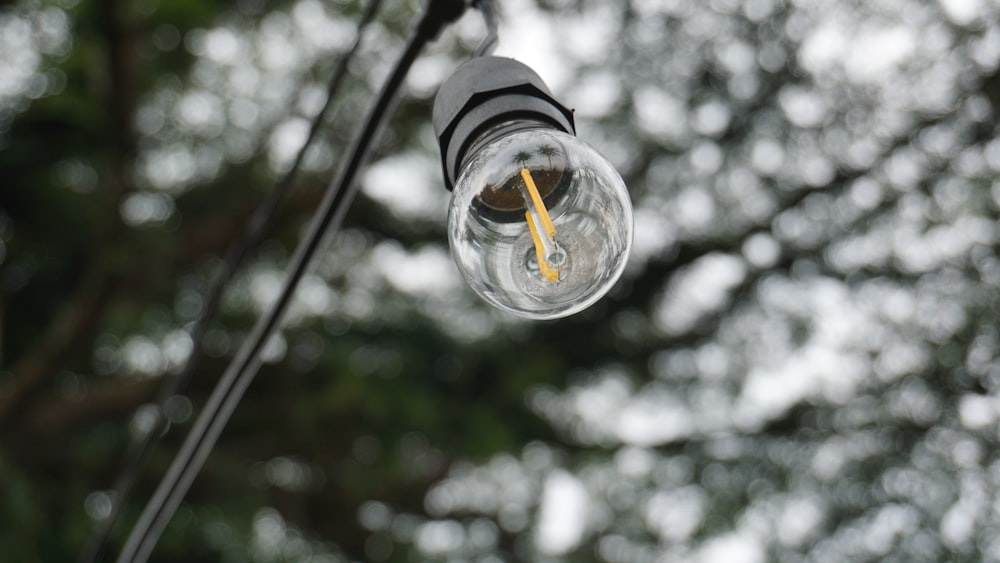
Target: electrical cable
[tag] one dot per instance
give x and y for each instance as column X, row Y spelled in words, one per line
column 489, row 12
column 257, row 227
column 229, row 390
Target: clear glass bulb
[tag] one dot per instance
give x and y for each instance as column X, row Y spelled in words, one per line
column 540, row 224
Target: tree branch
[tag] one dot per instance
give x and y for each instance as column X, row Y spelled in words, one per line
column 53, row 416
column 78, row 318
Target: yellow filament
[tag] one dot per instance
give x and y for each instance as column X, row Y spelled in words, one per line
column 536, row 199
column 543, row 265
column 542, row 216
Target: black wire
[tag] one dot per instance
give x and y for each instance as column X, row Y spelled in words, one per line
column 488, row 43
column 258, row 225
column 241, row 371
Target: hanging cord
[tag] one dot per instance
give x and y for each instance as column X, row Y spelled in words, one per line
column 489, row 11
column 257, row 227
column 229, row 390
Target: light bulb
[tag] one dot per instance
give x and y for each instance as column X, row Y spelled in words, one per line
column 539, row 224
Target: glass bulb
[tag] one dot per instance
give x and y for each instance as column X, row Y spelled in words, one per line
column 540, row 224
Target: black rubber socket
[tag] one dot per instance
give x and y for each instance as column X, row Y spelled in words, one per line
column 485, row 91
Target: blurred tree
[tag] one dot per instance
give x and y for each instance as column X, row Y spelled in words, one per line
column 800, row 364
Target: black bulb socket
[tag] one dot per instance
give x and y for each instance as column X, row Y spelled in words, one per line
column 482, row 93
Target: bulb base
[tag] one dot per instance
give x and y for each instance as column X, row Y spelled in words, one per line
column 483, row 92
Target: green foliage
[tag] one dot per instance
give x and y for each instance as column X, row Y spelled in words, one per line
column 800, row 364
